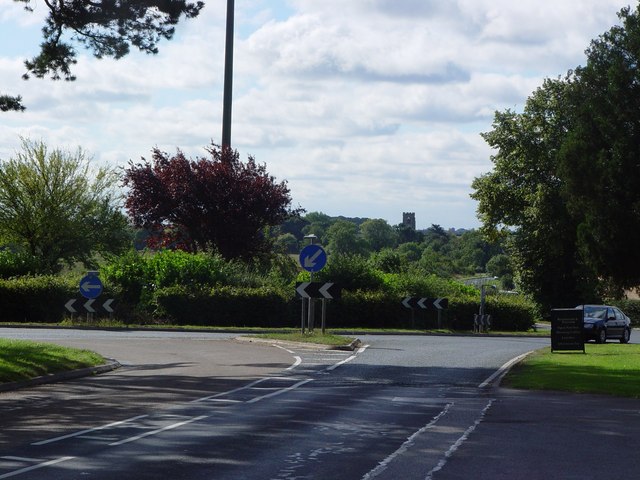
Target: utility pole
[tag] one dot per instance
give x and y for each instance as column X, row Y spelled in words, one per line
column 228, row 78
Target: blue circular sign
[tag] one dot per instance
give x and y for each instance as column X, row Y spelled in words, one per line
column 90, row 286
column 313, row 258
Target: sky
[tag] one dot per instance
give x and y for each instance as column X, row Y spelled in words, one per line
column 366, row 108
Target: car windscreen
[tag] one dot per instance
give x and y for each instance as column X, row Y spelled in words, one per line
column 595, row 311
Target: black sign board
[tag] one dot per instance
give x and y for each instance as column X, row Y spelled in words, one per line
column 326, row 290
column 567, row 329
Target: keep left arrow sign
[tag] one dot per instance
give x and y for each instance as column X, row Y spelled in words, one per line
column 301, row 289
column 69, row 305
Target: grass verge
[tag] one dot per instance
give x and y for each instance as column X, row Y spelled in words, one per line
column 22, row 360
column 611, row 369
column 317, row 338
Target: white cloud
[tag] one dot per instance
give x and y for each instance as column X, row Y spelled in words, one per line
column 367, row 107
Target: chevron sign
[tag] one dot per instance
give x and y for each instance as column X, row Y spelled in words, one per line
column 318, row 290
column 90, row 306
column 426, row 303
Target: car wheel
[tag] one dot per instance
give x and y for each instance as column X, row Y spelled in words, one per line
column 602, row 336
column 626, row 335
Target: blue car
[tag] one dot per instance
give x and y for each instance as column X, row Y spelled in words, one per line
column 602, row 322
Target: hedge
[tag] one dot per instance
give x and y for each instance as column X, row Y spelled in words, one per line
column 35, row 299
column 42, row 299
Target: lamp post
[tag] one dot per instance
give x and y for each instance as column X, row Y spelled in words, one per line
column 228, row 78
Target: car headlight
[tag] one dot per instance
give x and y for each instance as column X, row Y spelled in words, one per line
column 588, row 325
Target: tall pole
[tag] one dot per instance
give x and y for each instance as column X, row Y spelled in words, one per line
column 228, row 78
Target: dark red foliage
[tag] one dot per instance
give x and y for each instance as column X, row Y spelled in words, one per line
column 218, row 202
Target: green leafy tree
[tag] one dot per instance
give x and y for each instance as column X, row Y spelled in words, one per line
column 317, row 224
column 378, row 234
column 437, row 238
column 58, row 208
column 343, row 239
column 106, row 28
column 599, row 157
column 10, row 103
column 522, row 199
column 566, row 176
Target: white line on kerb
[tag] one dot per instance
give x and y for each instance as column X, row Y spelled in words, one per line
column 503, row 369
column 348, row 359
column 35, row 467
column 89, row 430
column 296, row 363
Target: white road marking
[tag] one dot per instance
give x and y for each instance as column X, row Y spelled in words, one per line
column 22, row 459
column 35, row 467
column 459, row 442
column 406, row 445
column 296, row 363
column 503, row 370
column 280, row 392
column 346, row 360
column 159, row 430
column 89, row 430
column 229, row 392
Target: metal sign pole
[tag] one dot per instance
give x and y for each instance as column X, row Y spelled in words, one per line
column 324, row 314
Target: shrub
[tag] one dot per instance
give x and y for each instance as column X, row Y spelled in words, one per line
column 35, row 299
column 351, row 272
column 18, row 263
column 225, row 306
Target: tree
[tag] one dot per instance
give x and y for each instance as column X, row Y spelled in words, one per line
column 599, row 157
column 218, row 202
column 436, row 237
column 522, row 199
column 344, row 239
column 108, row 29
column 9, row 103
column 378, row 234
column 566, row 176
column 317, row 224
column 58, row 208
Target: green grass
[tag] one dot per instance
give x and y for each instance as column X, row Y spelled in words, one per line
column 612, row 369
column 317, row 338
column 22, row 360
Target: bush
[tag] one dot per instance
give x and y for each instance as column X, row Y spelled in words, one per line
column 35, row 299
column 351, row 272
column 225, row 306
column 18, row 263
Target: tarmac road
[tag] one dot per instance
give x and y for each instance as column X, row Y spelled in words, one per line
column 406, row 407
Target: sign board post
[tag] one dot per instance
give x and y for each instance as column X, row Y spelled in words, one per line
column 567, row 329
column 312, row 258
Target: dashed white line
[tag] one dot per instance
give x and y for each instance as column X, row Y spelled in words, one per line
column 159, row 430
column 89, row 430
column 229, row 392
column 21, row 459
column 406, row 445
column 35, row 467
column 280, row 392
column 458, row 442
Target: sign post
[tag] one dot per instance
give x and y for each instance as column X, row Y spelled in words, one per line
column 567, row 329
column 312, row 258
column 90, row 288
